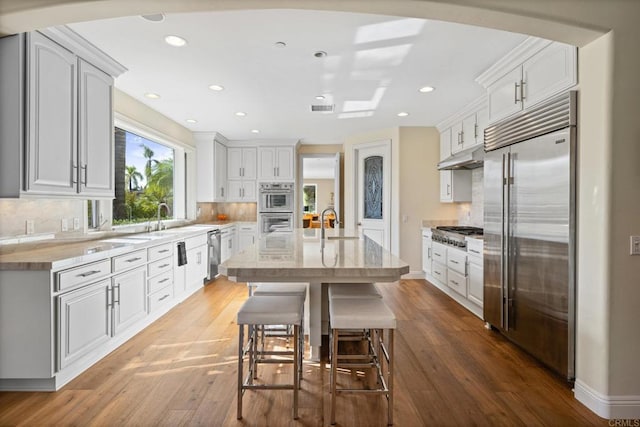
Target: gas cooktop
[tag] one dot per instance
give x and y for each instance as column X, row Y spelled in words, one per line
column 454, row 235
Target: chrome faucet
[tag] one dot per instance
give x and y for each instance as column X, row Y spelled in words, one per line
column 160, row 205
column 322, row 220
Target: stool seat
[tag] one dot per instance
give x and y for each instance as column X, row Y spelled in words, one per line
column 366, row 313
column 353, row 290
column 280, row 289
column 268, row 310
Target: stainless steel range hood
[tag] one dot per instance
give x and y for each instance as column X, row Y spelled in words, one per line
column 468, row 159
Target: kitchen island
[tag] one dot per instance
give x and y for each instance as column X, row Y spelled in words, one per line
column 302, row 256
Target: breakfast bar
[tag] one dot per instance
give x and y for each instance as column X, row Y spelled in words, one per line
column 302, row 256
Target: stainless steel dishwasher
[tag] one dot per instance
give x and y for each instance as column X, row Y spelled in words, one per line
column 213, row 241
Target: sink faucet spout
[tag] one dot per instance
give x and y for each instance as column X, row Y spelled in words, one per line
column 322, row 220
column 160, row 205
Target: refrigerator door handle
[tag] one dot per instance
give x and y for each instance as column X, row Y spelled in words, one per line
column 508, row 303
column 502, row 245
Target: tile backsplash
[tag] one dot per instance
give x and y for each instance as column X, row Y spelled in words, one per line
column 473, row 213
column 234, row 211
column 47, row 216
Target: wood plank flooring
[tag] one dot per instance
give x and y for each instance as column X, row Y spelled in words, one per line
column 450, row 371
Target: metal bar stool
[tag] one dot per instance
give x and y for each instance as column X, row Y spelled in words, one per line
column 372, row 315
column 281, row 289
column 268, row 310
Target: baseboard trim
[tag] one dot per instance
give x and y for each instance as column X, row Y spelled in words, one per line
column 609, row 407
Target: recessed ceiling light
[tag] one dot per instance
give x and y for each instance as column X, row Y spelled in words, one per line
column 280, row 45
column 175, row 41
column 191, row 121
column 152, row 95
column 403, row 114
column 217, row 88
column 155, row 17
column 426, row 89
column 241, row 114
column 320, row 54
column 320, row 97
column 255, row 131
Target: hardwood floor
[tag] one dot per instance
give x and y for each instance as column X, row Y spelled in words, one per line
column 181, row 370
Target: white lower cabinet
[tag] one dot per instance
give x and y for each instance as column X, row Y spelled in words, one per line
column 197, row 262
column 426, row 251
column 129, row 298
column 227, row 243
column 246, row 236
column 84, row 321
column 476, row 271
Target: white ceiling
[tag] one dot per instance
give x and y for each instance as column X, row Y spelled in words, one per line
column 373, row 69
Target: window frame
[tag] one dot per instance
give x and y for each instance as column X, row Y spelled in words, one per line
column 184, row 206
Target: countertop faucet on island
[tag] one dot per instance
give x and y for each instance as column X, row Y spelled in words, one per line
column 335, row 214
column 160, row 205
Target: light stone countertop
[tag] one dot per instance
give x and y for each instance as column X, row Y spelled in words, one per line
column 59, row 254
column 301, row 257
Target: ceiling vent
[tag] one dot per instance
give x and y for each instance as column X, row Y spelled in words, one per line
column 322, row 108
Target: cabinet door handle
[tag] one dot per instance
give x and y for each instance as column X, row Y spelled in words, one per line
column 74, row 173
column 454, row 261
column 163, row 280
column 164, row 265
column 522, row 83
column 278, row 169
column 448, row 189
column 163, row 251
column 88, row 273
column 474, row 251
column 428, row 252
column 515, row 93
column 164, row 297
column 109, row 297
column 221, row 191
column 116, row 286
column 437, row 272
column 229, row 244
column 274, row 172
column 455, row 283
column 475, row 130
column 84, row 171
column 133, row 259
column 461, row 137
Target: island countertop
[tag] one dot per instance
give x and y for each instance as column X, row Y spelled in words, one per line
column 301, row 256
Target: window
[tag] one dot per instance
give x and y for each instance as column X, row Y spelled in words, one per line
column 144, row 178
column 309, row 198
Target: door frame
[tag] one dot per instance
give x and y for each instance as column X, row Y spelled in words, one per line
column 388, row 180
column 338, row 185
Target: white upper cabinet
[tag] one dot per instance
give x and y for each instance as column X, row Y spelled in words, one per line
column 455, row 186
column 539, row 76
column 211, row 169
column 56, row 116
column 276, row 163
column 95, row 137
column 241, row 163
column 445, row 144
column 52, row 165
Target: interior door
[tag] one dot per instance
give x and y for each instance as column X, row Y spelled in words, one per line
column 374, row 192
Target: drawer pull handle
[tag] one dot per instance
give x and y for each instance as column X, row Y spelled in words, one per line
column 164, row 297
column 437, row 272
column 164, row 280
column 134, row 259
column 455, row 283
column 455, row 262
column 88, row 273
column 164, row 265
column 474, row 251
column 163, row 251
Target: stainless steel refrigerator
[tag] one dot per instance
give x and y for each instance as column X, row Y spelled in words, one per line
column 529, row 231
